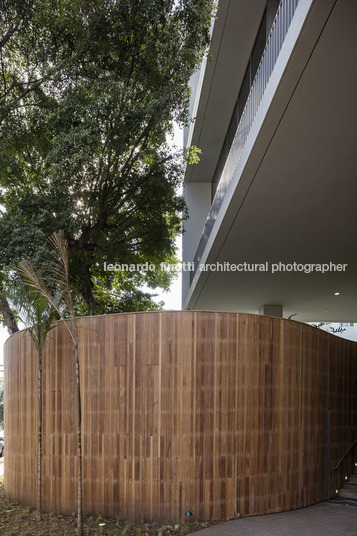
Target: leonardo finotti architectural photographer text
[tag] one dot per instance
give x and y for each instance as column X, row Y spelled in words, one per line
column 274, row 268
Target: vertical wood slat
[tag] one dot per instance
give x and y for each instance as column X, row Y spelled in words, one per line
column 217, row 413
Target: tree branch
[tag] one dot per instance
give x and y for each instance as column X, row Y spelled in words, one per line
column 8, row 35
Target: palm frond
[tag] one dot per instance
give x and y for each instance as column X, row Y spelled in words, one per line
column 61, row 273
column 33, row 279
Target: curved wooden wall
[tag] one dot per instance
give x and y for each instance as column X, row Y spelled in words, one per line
column 218, row 413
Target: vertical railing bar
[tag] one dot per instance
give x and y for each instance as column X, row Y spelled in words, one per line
column 328, row 452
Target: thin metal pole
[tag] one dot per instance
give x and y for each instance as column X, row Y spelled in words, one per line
column 328, row 451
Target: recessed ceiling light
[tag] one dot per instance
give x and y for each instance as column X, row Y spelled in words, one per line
column 336, row 294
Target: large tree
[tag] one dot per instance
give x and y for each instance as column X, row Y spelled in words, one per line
column 95, row 88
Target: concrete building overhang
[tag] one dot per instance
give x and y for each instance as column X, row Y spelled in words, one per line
column 295, row 200
column 233, row 37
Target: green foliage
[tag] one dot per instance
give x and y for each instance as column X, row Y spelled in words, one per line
column 88, row 93
column 193, row 155
column 34, row 311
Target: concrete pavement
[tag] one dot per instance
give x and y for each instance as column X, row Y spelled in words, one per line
column 324, row 519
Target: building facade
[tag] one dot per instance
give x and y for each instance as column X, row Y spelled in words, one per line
column 272, row 213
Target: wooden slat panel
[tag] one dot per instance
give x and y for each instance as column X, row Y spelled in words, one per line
column 217, row 413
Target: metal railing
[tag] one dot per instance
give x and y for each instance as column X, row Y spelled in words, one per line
column 344, row 455
column 271, row 52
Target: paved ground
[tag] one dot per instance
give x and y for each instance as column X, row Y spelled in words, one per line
column 323, row 519
column 1, row 466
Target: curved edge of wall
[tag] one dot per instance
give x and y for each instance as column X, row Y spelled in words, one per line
column 222, row 414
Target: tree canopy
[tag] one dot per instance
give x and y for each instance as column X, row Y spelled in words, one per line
column 89, row 90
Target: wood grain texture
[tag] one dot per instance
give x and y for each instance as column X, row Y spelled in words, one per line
column 218, row 413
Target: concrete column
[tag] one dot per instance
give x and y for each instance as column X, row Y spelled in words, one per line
column 198, row 200
column 272, row 310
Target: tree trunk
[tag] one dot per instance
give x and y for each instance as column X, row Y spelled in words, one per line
column 79, row 441
column 39, row 452
column 8, row 316
column 87, row 291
